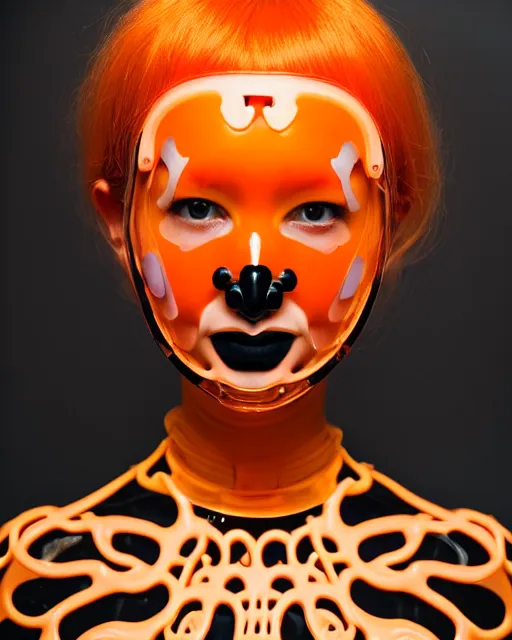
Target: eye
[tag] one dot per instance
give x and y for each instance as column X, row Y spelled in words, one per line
column 317, row 213
column 197, row 210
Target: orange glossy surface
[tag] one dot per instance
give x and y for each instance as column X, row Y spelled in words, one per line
column 258, row 177
column 258, row 606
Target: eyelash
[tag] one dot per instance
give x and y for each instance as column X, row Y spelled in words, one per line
column 338, row 212
column 176, row 207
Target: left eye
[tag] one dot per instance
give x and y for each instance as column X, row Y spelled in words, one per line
column 197, row 209
column 316, row 213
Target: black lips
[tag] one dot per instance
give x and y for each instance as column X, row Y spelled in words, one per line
column 242, row 352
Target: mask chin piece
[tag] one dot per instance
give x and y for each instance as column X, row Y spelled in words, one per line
column 251, row 400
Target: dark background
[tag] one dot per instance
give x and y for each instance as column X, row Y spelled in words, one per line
column 425, row 395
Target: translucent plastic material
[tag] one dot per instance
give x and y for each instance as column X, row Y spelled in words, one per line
column 258, row 175
column 257, row 595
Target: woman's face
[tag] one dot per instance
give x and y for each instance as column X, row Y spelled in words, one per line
column 258, row 245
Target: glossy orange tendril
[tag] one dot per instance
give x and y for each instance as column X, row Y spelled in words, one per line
column 259, row 607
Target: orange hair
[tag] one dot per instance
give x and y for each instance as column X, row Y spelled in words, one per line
column 161, row 43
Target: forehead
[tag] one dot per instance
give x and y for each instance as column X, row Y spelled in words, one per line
column 218, row 153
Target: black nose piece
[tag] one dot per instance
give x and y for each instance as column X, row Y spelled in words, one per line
column 255, row 294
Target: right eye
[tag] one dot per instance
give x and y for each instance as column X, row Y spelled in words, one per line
column 197, row 210
column 317, row 214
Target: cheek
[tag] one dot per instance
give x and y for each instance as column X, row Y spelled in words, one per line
column 190, row 276
column 188, row 273
column 321, row 278
column 320, row 275
column 328, row 284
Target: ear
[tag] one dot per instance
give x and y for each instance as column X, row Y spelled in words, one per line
column 111, row 210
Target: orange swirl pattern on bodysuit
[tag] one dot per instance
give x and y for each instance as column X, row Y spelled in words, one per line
column 258, row 607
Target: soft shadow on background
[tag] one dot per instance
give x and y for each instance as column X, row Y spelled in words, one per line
column 425, row 394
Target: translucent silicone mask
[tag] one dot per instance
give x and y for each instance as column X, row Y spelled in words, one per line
column 255, row 226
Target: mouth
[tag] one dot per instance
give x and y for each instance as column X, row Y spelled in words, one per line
column 242, row 352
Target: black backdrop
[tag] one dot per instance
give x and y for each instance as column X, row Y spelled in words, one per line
column 425, row 393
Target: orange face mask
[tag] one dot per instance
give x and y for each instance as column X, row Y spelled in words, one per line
column 255, row 224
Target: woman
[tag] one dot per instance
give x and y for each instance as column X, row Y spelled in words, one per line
column 257, row 166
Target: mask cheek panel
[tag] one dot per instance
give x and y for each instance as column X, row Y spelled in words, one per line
column 350, row 297
column 330, row 321
column 320, row 278
column 186, row 274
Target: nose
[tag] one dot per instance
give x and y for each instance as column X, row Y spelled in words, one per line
column 255, row 294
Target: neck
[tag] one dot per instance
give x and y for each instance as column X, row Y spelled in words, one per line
column 253, row 464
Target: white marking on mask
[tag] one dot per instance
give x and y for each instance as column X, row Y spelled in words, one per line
column 353, row 279
column 188, row 239
column 255, row 247
column 158, row 284
column 343, row 165
column 239, row 115
column 175, row 164
column 153, row 275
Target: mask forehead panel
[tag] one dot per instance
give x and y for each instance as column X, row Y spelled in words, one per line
column 283, row 90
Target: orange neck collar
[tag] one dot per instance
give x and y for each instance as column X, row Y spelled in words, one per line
column 253, row 464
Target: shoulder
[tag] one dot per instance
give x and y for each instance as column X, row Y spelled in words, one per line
column 50, row 554
column 453, row 568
